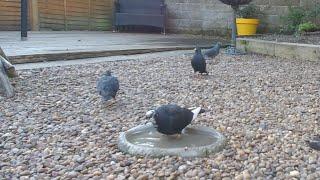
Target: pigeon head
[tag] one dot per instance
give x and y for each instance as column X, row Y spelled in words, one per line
column 107, row 73
column 197, row 50
column 218, row 45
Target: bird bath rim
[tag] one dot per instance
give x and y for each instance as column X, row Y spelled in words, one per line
column 201, row 151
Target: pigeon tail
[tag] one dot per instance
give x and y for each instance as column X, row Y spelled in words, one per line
column 196, row 112
column 150, row 114
column 107, row 73
column 314, row 145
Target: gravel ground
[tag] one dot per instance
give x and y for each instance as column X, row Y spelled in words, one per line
column 311, row 39
column 56, row 126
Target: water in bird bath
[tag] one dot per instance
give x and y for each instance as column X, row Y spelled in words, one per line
column 194, row 142
column 189, row 138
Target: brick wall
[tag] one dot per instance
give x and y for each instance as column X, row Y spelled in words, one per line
column 212, row 17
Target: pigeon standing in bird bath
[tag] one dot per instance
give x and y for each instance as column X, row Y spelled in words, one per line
column 170, row 133
column 232, row 50
column 172, row 119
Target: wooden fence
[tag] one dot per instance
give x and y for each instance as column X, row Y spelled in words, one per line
column 9, row 14
column 58, row 14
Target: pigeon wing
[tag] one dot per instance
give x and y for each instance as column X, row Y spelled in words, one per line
column 114, row 83
column 198, row 64
column 108, row 86
column 182, row 118
column 171, row 119
column 214, row 51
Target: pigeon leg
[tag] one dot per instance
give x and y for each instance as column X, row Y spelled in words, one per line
column 204, row 74
column 197, row 75
column 110, row 103
column 175, row 136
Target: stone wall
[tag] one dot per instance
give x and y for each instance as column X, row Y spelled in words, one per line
column 211, row 17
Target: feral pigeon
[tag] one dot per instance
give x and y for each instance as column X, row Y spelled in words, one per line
column 108, row 86
column 315, row 143
column 198, row 62
column 172, row 119
column 213, row 52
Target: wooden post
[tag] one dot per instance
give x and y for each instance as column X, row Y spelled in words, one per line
column 89, row 18
column 65, row 15
column 24, row 20
column 10, row 70
column 5, row 85
column 35, row 26
column 3, row 54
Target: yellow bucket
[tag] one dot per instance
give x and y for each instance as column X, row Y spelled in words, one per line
column 247, row 27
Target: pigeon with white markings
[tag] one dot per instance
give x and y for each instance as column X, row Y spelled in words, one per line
column 213, row 52
column 108, row 86
column 171, row 119
column 198, row 62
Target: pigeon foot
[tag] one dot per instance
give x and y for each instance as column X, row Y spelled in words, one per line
column 196, row 75
column 176, row 136
column 110, row 103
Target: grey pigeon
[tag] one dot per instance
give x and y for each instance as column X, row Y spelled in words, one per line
column 315, row 143
column 213, row 52
column 108, row 86
column 171, row 119
column 198, row 62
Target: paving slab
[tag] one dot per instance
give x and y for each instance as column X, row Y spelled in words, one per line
column 59, row 63
column 309, row 52
column 59, row 45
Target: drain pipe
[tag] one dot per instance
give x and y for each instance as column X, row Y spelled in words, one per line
column 234, row 26
column 24, row 20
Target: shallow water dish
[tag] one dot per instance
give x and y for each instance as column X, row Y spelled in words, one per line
column 194, row 142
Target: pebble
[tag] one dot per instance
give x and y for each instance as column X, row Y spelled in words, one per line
column 246, row 175
column 72, row 174
column 25, row 173
column 182, row 168
column 294, row 174
column 97, row 173
column 111, row 177
column 143, row 177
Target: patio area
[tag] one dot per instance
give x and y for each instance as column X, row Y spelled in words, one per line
column 55, row 45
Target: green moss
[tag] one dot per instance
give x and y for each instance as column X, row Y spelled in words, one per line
column 307, row 27
column 243, row 42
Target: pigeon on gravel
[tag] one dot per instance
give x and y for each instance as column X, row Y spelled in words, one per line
column 108, row 86
column 171, row 119
column 213, row 52
column 198, row 62
column 315, row 143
